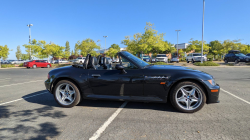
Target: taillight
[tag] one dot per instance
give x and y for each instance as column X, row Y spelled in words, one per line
column 48, row 76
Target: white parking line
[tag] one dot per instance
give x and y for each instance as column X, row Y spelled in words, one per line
column 20, row 83
column 23, row 98
column 106, row 124
column 235, row 96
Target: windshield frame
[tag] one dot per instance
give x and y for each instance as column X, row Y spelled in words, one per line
column 196, row 54
column 137, row 62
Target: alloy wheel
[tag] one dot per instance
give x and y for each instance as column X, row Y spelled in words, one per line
column 65, row 94
column 188, row 97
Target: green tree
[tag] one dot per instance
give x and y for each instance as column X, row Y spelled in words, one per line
column 87, row 46
column 72, row 52
column 67, row 50
column 33, row 48
column 76, row 49
column 197, row 45
column 25, row 56
column 58, row 52
column 4, row 52
column 149, row 41
column 47, row 49
column 18, row 53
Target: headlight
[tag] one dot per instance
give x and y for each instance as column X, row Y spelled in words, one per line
column 212, row 82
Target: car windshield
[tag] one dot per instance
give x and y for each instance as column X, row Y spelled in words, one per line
column 161, row 55
column 137, row 60
column 240, row 54
column 197, row 54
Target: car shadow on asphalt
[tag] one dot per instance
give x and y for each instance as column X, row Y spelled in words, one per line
column 17, row 122
column 48, row 100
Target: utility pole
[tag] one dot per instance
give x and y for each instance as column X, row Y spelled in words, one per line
column 29, row 25
column 177, row 40
column 105, row 43
column 202, row 31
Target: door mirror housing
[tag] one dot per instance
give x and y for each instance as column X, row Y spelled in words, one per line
column 119, row 67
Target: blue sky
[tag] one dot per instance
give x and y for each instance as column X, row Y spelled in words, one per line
column 72, row 20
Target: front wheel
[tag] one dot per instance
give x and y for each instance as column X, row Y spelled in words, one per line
column 188, row 97
column 34, row 66
column 236, row 61
column 48, row 66
column 192, row 60
column 225, row 61
column 187, row 61
column 66, row 94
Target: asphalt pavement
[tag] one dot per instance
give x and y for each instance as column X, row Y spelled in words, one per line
column 28, row 111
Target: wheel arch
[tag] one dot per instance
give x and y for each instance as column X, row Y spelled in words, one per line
column 65, row 78
column 171, row 87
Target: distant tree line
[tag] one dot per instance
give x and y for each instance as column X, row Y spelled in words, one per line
column 150, row 41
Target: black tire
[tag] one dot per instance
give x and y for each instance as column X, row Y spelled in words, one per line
column 34, row 66
column 28, row 67
column 236, row 61
column 77, row 94
column 177, row 87
column 187, row 61
column 177, row 61
column 225, row 61
column 192, row 60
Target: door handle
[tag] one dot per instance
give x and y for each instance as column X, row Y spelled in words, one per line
column 96, row 75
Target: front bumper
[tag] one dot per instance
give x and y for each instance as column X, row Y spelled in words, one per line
column 47, row 84
column 212, row 92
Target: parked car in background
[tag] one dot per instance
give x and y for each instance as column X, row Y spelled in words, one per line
column 174, row 59
column 146, row 58
column 4, row 61
column 79, row 60
column 60, row 61
column 115, row 60
column 17, row 62
column 109, row 60
column 236, row 56
column 36, row 63
column 248, row 54
column 162, row 58
column 195, row 57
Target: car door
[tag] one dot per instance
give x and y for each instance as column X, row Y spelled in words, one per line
column 115, row 82
column 37, row 63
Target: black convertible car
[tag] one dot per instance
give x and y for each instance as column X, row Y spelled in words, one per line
column 132, row 80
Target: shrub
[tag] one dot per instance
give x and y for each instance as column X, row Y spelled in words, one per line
column 207, row 63
column 20, row 65
column 161, row 63
column 230, row 64
column 7, row 65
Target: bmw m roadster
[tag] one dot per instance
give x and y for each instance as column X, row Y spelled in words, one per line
column 132, row 79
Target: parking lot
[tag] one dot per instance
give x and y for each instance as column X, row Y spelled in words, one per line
column 28, row 111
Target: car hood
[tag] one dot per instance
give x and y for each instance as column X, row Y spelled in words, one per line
column 178, row 68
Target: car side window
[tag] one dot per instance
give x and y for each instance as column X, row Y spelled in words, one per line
column 127, row 64
column 37, row 61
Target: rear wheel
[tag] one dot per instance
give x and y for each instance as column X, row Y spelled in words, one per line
column 34, row 66
column 66, row 94
column 48, row 66
column 188, row 97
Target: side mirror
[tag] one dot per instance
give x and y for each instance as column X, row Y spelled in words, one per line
column 119, row 67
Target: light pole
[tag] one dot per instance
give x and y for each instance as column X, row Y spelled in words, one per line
column 105, row 43
column 202, row 31
column 29, row 25
column 177, row 40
